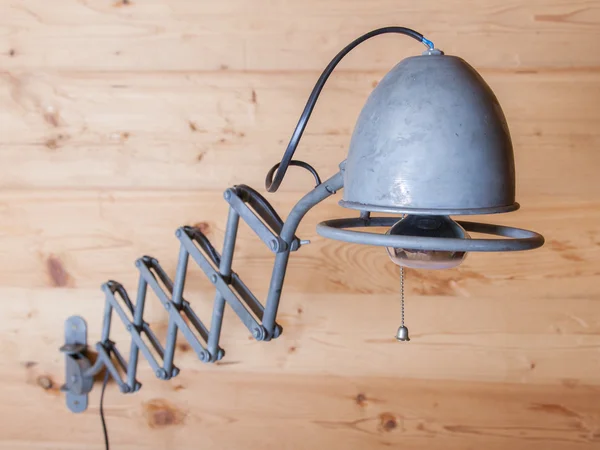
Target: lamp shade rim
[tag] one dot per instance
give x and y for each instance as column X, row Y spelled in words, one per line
column 430, row 211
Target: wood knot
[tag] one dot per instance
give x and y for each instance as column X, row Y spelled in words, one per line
column 361, row 400
column 54, row 142
column 253, row 98
column 552, row 408
column 52, row 117
column 184, row 347
column 45, row 382
column 59, row 277
column 159, row 414
column 204, row 227
column 387, row 422
column 12, row 52
column 51, row 143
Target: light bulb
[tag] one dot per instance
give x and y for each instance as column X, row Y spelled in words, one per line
column 427, row 226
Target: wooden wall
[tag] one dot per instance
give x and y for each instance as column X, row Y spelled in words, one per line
column 120, row 121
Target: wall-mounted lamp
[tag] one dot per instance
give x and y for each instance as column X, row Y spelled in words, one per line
column 430, row 142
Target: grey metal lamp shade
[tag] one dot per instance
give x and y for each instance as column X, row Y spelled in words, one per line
column 431, row 139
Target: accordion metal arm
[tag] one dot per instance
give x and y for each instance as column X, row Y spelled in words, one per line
column 260, row 320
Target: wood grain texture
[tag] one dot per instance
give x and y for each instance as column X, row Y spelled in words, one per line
column 200, row 122
column 123, row 120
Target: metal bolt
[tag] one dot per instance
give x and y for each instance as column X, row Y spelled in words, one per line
column 278, row 330
column 274, row 244
column 202, row 356
column 168, row 305
column 257, row 333
column 178, row 232
column 161, row 373
column 138, row 263
column 175, row 372
column 125, row 389
column 220, row 354
column 129, row 327
column 214, row 278
column 74, row 378
column 227, row 194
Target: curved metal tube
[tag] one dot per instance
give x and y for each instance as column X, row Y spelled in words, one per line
column 519, row 239
column 314, row 197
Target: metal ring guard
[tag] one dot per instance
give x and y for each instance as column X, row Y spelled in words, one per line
column 518, row 239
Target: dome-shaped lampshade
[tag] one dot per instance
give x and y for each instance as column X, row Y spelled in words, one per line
column 431, row 139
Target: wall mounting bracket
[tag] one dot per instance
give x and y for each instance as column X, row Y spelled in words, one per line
column 77, row 382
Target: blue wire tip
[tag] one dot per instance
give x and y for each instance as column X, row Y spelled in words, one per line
column 428, row 43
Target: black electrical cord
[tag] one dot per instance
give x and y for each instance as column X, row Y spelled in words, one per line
column 104, row 429
column 295, row 162
column 277, row 172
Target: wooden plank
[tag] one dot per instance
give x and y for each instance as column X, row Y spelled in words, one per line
column 70, row 238
column 281, row 35
column 122, row 120
column 196, row 131
column 222, row 409
column 517, row 339
column 310, row 412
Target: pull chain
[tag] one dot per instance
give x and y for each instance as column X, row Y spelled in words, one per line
column 402, row 292
column 402, row 334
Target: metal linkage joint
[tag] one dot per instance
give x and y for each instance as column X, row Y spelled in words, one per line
column 258, row 213
column 245, row 203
